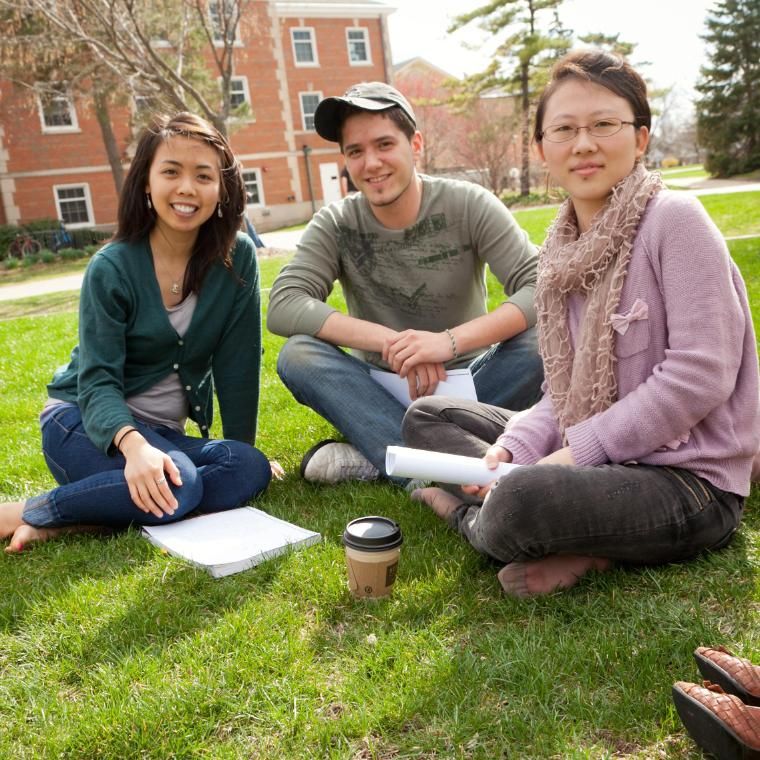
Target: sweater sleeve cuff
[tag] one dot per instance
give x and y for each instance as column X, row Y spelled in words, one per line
column 312, row 317
column 585, row 445
column 521, row 454
column 523, row 299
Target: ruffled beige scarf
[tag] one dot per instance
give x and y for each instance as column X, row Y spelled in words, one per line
column 582, row 382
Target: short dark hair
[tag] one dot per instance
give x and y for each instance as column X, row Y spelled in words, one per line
column 606, row 69
column 216, row 236
column 395, row 114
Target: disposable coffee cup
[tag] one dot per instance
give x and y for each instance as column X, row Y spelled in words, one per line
column 373, row 546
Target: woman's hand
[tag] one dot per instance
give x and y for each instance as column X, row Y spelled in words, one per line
column 278, row 473
column 493, row 457
column 146, row 472
column 560, row 456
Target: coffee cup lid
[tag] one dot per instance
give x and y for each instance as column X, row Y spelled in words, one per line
column 372, row 534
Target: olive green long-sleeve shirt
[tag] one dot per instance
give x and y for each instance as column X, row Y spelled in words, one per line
column 430, row 276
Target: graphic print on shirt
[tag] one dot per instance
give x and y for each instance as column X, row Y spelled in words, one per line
column 400, row 266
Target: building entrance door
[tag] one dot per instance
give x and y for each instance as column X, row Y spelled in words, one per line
column 328, row 174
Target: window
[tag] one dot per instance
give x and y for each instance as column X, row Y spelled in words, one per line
column 309, row 102
column 239, row 92
column 304, row 46
column 145, row 105
column 57, row 110
column 253, row 187
column 74, row 205
column 225, row 19
column 358, row 46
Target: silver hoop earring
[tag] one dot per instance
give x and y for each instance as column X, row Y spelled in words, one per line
column 147, row 200
column 219, row 210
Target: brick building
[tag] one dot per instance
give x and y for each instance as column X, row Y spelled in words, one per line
column 290, row 54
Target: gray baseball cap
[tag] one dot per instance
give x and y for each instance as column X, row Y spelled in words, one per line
column 369, row 96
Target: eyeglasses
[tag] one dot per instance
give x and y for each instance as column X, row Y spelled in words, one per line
column 558, row 133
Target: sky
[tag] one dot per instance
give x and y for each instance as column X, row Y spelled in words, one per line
column 666, row 32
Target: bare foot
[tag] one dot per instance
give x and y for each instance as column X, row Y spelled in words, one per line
column 549, row 574
column 27, row 534
column 441, row 502
column 10, row 517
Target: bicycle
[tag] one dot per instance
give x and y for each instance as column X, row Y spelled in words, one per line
column 23, row 246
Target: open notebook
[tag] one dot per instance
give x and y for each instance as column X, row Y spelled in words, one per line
column 223, row 543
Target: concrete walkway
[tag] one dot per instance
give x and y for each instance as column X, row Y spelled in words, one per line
column 278, row 242
column 285, row 241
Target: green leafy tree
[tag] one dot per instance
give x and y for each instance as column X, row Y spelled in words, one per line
column 535, row 39
column 172, row 53
column 728, row 111
column 34, row 57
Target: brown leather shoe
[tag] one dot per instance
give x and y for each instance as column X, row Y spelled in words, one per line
column 735, row 674
column 721, row 724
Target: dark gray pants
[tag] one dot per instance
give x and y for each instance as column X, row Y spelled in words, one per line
column 630, row 513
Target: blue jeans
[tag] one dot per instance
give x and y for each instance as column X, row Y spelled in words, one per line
column 637, row 514
column 338, row 387
column 216, row 475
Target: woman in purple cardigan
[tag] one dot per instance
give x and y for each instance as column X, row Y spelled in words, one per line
column 641, row 449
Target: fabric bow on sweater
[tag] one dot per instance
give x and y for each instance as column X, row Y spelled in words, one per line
column 621, row 322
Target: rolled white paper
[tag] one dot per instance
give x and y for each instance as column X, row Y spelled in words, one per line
column 403, row 462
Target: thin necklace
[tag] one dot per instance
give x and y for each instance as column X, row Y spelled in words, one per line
column 174, row 289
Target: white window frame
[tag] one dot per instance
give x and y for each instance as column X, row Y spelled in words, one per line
column 259, row 186
column 312, row 40
column 147, row 106
column 245, row 92
column 365, row 33
column 58, row 129
column 310, row 93
column 87, row 199
column 216, row 31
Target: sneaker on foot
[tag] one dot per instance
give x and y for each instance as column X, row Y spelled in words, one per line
column 333, row 462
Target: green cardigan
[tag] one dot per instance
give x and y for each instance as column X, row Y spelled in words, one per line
column 127, row 344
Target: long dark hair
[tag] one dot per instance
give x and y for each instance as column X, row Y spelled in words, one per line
column 606, row 69
column 216, row 235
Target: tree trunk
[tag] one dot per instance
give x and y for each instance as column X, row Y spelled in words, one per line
column 103, row 116
column 525, row 107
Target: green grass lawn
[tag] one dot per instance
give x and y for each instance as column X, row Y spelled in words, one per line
column 111, row 649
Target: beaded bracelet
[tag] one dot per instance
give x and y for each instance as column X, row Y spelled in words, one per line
column 453, row 342
column 117, row 444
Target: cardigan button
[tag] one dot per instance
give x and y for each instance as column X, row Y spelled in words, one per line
column 188, row 387
column 204, row 427
column 197, row 409
column 176, row 366
column 180, row 342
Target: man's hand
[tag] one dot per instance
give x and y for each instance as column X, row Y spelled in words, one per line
column 424, row 378
column 411, row 348
column 492, row 458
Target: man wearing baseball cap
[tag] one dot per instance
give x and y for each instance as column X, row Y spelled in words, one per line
column 410, row 252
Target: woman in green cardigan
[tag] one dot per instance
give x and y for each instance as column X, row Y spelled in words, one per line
column 169, row 310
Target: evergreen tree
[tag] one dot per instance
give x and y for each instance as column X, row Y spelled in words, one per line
column 728, row 112
column 521, row 60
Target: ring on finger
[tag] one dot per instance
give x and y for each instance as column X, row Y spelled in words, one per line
column 161, row 481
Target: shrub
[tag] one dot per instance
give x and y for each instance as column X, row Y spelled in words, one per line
column 47, row 257
column 69, row 254
column 30, row 261
column 553, row 196
column 12, row 264
column 8, row 234
column 669, row 162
